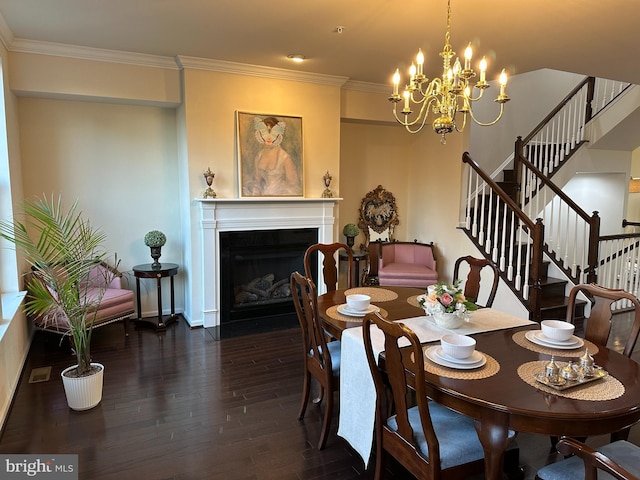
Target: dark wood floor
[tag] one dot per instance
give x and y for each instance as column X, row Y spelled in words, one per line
column 182, row 405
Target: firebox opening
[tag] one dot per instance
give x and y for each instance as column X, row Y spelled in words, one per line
column 255, row 267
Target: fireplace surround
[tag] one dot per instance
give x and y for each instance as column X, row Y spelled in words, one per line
column 253, row 214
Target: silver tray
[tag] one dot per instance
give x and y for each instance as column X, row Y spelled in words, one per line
column 565, row 383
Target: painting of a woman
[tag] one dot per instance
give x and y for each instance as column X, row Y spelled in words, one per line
column 270, row 160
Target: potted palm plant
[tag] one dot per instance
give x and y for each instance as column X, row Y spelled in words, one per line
column 63, row 248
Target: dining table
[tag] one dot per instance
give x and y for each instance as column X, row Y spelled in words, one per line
column 500, row 395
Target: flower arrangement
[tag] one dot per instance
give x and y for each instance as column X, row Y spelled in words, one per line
column 446, row 298
column 155, row 238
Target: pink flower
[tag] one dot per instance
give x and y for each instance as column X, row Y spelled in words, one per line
column 446, row 299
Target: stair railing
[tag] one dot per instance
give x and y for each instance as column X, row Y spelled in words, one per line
column 571, row 240
column 497, row 225
column 619, row 256
column 572, row 235
column 559, row 134
column 552, row 141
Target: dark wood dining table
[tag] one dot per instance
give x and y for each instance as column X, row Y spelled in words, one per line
column 504, row 400
column 396, row 309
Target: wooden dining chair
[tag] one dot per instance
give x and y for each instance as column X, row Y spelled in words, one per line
column 321, row 358
column 329, row 263
column 472, row 283
column 428, row 439
column 598, row 325
column 619, row 459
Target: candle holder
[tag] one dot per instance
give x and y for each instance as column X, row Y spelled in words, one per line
column 209, row 176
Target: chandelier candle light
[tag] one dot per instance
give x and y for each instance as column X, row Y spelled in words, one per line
column 446, row 96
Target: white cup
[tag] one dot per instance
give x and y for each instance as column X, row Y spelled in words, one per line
column 358, row 302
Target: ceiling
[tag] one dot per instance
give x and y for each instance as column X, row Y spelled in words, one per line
column 593, row 37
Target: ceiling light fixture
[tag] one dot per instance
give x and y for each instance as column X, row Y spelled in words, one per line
column 296, row 57
column 446, row 96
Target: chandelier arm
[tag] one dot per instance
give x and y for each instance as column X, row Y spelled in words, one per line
column 475, row 99
column 489, row 123
column 421, row 117
column 464, row 123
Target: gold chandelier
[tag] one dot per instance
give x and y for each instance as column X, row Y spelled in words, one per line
column 446, row 97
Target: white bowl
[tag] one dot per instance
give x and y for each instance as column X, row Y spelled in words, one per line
column 557, row 329
column 458, row 346
column 358, row 302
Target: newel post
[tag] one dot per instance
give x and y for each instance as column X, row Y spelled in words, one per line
column 517, row 165
column 537, row 238
column 594, row 245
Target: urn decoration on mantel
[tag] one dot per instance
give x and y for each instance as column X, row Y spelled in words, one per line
column 155, row 239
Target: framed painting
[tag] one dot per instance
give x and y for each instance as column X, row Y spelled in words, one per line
column 269, row 155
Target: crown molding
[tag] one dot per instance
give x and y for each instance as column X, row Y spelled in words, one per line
column 366, row 87
column 87, row 53
column 258, row 71
column 6, row 35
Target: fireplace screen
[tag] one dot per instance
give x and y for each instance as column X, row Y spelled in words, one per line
column 255, row 267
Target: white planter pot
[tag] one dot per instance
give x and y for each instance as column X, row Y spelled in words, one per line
column 83, row 393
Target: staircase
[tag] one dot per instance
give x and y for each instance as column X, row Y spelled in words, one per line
column 524, row 222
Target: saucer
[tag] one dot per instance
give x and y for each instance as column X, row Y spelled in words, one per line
column 345, row 310
column 475, row 357
column 543, row 338
column 534, row 337
column 431, row 354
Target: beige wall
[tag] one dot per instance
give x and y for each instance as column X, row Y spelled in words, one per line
column 423, row 175
column 120, row 162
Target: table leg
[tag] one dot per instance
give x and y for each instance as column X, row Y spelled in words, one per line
column 138, row 298
column 173, row 300
column 493, row 432
column 160, row 322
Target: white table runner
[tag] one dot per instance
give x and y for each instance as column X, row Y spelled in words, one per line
column 357, row 391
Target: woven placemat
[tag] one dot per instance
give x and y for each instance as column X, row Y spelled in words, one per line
column 376, row 294
column 487, row 370
column 607, row 388
column 519, row 338
column 333, row 313
column 413, row 300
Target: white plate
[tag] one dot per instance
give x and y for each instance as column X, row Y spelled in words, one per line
column 475, row 357
column 532, row 337
column 345, row 310
column 430, row 353
column 566, row 343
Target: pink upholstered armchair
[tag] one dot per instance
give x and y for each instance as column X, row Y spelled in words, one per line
column 407, row 264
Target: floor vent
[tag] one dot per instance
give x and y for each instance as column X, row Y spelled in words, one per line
column 41, row 374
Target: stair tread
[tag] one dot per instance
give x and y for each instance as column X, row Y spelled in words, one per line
column 557, row 302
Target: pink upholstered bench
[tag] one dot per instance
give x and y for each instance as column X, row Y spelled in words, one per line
column 407, row 264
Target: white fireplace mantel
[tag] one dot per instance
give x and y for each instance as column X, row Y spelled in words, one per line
column 239, row 214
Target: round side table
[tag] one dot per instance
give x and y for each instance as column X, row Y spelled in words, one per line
column 148, row 271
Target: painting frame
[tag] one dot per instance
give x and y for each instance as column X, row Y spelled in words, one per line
column 270, row 155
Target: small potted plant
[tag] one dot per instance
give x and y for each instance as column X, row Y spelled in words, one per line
column 155, row 239
column 351, row 231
